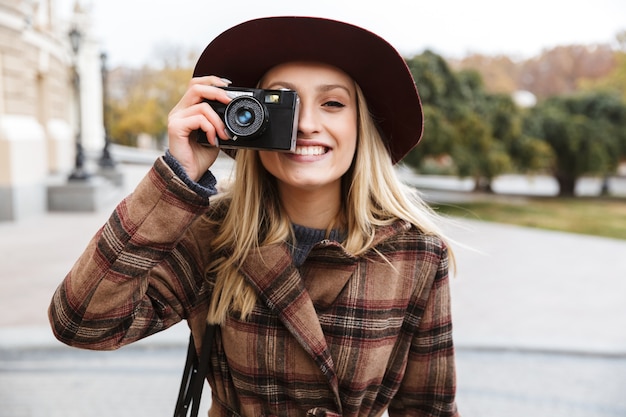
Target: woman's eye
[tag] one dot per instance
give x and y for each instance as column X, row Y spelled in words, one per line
column 334, row 104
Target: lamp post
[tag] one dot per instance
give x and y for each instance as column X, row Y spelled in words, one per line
column 106, row 161
column 78, row 173
column 82, row 191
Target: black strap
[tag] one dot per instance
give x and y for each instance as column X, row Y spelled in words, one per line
column 194, row 375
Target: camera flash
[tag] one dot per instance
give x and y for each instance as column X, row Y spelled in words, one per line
column 273, row 98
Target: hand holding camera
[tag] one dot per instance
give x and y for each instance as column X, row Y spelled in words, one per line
column 234, row 118
column 191, row 114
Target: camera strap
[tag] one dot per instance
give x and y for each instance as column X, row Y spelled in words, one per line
column 194, row 375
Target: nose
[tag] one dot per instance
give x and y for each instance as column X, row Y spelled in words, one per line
column 308, row 121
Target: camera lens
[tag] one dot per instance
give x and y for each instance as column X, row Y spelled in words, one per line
column 245, row 117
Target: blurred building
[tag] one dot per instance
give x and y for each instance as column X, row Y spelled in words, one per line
column 37, row 113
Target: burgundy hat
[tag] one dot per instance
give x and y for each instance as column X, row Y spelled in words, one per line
column 244, row 53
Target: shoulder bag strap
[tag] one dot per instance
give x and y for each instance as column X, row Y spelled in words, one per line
column 194, row 375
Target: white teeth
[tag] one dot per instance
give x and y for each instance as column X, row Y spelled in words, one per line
column 310, row 150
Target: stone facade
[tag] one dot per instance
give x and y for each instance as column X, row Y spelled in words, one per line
column 37, row 105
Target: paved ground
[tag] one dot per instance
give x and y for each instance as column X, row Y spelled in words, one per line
column 136, row 382
column 539, row 325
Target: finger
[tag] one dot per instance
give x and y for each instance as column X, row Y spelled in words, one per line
column 199, row 92
column 209, row 129
column 201, row 116
column 211, row 80
column 204, row 88
column 215, row 120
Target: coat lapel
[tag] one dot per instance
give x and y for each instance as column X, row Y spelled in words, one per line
column 271, row 271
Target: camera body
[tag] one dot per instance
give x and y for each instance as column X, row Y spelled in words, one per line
column 258, row 119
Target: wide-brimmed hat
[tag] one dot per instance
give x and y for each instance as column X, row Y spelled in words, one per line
column 244, row 53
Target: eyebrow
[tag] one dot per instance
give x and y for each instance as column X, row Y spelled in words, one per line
column 321, row 88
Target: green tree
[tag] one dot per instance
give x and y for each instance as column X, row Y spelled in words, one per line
column 585, row 132
column 439, row 136
column 527, row 154
column 438, row 86
column 481, row 132
column 477, row 153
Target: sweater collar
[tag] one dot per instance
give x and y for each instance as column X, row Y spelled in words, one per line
column 306, row 238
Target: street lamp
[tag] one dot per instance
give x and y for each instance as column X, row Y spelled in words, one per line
column 79, row 173
column 75, row 37
column 106, row 161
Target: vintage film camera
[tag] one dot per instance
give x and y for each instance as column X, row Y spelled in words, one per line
column 258, row 119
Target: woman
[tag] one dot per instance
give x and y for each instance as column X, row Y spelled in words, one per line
column 328, row 280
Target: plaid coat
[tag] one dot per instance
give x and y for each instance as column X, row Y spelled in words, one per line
column 341, row 335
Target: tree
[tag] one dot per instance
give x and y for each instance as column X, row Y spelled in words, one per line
column 555, row 71
column 441, row 93
column 558, row 70
column 527, row 154
column 585, row 132
column 481, row 132
column 141, row 99
column 499, row 73
column 147, row 99
column 615, row 81
column 477, row 153
column 438, row 85
column 439, row 135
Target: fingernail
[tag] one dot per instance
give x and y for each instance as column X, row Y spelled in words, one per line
column 226, row 80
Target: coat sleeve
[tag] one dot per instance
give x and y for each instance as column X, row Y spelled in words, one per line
column 429, row 384
column 140, row 273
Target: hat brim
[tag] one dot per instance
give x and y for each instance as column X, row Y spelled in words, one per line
column 244, row 53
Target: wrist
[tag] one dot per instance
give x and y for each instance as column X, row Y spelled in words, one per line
column 204, row 185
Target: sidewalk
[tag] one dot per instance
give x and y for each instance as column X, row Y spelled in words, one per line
column 519, row 294
column 538, row 290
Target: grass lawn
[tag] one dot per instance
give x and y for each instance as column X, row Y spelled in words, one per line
column 599, row 217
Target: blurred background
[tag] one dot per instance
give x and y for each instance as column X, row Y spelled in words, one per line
column 524, row 151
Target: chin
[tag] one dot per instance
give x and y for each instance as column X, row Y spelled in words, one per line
column 312, row 183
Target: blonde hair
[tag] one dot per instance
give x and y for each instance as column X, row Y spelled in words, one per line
column 370, row 200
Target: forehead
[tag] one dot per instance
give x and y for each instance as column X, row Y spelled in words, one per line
column 314, row 72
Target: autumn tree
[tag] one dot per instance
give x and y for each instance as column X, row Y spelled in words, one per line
column 500, row 74
column 555, row 71
column 141, row 99
column 615, row 80
column 143, row 108
column 558, row 70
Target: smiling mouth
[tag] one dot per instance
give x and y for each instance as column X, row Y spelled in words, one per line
column 310, row 150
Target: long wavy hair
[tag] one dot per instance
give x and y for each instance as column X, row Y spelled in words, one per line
column 372, row 196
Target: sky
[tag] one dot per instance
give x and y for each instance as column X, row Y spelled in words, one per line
column 130, row 31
